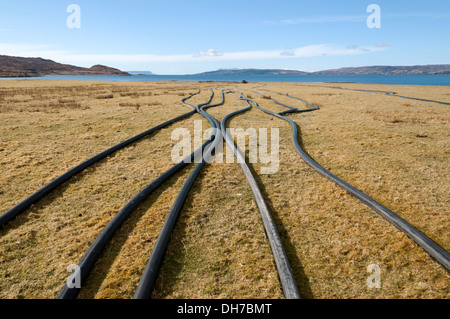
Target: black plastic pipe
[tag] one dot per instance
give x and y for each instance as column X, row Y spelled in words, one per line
column 390, row 93
column 91, row 256
column 34, row 198
column 433, row 249
column 89, row 259
column 285, row 274
column 151, row 271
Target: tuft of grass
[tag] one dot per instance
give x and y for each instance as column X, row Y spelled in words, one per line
column 319, row 105
column 129, row 94
column 104, row 96
column 129, row 104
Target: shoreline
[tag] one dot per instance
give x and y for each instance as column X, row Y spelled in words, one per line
column 416, row 80
column 7, row 82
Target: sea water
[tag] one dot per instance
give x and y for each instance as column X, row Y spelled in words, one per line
column 438, row 80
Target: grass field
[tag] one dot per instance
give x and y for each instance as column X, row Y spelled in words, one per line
column 395, row 150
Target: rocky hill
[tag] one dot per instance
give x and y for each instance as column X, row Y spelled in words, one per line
column 34, row 67
column 390, row 70
column 366, row 70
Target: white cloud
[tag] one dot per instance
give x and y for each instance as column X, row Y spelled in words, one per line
column 208, row 53
column 288, row 52
column 26, row 50
column 121, row 59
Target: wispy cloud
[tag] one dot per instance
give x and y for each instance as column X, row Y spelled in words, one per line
column 209, row 55
column 432, row 15
column 288, row 52
column 27, row 50
column 355, row 18
column 320, row 19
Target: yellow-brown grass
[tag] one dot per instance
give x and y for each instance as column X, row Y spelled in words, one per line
column 395, row 150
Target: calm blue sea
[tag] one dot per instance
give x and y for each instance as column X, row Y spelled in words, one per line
column 439, row 80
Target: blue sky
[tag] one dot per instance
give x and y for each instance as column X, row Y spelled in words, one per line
column 190, row 36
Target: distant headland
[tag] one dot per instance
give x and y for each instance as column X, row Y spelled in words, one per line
column 35, row 67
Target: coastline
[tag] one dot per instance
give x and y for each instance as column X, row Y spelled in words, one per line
column 428, row 80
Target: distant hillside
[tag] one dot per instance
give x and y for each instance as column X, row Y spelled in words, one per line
column 34, row 67
column 254, row 72
column 390, row 70
column 365, row 70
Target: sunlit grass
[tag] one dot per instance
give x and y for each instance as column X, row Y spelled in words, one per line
column 393, row 149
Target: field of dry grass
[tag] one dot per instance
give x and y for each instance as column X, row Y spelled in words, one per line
column 395, row 150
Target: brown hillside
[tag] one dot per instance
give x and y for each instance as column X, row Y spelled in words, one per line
column 33, row 67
